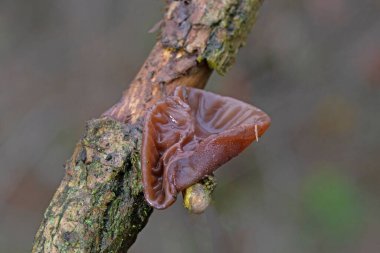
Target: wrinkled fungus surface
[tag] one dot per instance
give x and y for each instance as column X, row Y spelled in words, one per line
column 189, row 135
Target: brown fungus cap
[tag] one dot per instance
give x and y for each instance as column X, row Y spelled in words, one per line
column 191, row 134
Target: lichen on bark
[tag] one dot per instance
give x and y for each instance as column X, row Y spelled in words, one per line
column 99, row 206
column 214, row 29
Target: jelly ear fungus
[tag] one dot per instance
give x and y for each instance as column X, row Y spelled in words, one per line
column 189, row 135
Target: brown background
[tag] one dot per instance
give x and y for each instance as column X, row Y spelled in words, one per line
column 311, row 184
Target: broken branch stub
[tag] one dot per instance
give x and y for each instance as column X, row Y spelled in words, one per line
column 189, row 135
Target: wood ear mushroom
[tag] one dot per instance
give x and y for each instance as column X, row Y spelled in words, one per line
column 189, row 135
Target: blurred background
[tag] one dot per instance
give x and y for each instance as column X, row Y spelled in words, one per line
column 312, row 183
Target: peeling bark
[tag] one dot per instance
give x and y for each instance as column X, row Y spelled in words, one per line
column 99, row 205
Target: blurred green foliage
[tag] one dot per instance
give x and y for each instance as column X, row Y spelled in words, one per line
column 333, row 209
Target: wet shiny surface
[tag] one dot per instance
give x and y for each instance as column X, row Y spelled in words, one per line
column 190, row 135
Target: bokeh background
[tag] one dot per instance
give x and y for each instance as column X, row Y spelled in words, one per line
column 312, row 183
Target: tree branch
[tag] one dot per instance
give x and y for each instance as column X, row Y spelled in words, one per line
column 99, row 205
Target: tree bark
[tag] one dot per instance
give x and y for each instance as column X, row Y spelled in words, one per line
column 99, row 205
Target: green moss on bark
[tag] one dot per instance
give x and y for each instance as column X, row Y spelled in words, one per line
column 212, row 30
column 99, row 206
column 230, row 28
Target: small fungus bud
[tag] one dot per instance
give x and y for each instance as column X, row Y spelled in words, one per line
column 189, row 135
column 197, row 197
